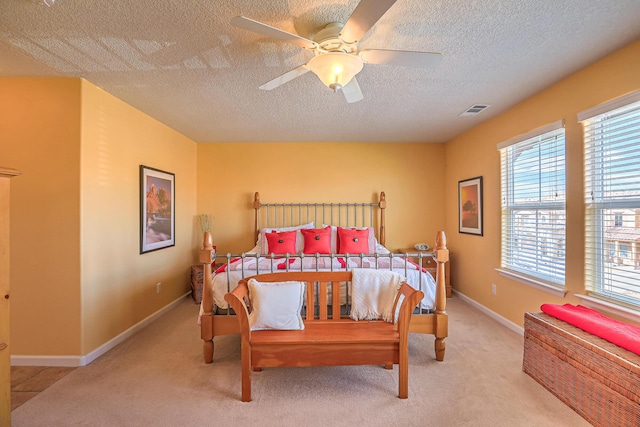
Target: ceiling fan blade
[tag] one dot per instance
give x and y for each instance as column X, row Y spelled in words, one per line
column 269, row 31
column 365, row 15
column 286, row 77
column 401, row 57
column 352, row 92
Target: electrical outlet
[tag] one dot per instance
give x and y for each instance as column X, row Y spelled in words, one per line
column 158, row 287
column 494, row 288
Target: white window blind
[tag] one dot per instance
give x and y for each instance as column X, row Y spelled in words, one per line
column 533, row 205
column 612, row 193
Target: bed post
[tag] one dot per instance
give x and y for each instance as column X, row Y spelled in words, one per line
column 256, row 208
column 441, row 256
column 206, row 320
column 383, row 206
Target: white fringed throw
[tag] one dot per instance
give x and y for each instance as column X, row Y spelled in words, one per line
column 372, row 293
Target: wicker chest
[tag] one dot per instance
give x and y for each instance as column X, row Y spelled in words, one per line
column 597, row 379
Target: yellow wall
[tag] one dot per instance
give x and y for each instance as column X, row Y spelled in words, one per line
column 411, row 175
column 119, row 284
column 77, row 277
column 40, row 136
column 474, row 153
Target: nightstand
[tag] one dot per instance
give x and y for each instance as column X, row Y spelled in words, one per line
column 429, row 264
column 197, row 280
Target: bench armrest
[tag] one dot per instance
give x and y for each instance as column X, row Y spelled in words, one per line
column 236, row 299
column 412, row 298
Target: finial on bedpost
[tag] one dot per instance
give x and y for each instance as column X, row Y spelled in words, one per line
column 383, row 205
column 441, row 240
column 207, row 240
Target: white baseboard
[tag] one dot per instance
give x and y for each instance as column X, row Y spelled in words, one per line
column 503, row 320
column 75, row 361
column 66, row 361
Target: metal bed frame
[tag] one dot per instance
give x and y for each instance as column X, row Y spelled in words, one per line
column 216, row 322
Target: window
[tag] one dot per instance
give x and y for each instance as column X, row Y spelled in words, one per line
column 612, row 251
column 624, row 250
column 533, row 205
column 612, row 199
column 618, row 220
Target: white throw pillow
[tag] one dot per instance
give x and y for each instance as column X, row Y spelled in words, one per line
column 276, row 305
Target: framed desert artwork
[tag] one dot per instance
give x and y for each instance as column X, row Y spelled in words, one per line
column 470, row 206
column 157, row 209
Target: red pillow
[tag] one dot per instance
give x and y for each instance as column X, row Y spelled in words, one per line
column 622, row 334
column 353, row 241
column 317, row 240
column 281, row 243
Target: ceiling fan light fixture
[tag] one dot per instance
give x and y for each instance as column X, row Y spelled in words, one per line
column 335, row 69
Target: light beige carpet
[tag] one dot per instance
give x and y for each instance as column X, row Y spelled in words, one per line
column 158, row 378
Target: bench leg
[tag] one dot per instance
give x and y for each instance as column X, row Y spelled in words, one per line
column 246, row 373
column 207, row 351
column 439, row 346
column 403, row 373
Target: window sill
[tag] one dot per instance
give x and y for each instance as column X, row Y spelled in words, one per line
column 554, row 290
column 613, row 308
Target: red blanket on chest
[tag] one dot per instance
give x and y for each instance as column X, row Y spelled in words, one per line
column 622, row 334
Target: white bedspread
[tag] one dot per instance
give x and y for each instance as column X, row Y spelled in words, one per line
column 225, row 279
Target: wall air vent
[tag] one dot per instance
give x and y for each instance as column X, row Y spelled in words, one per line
column 474, row 109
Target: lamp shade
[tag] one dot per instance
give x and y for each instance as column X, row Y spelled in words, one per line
column 335, row 69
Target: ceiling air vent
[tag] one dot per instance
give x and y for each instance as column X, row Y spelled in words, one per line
column 474, row 109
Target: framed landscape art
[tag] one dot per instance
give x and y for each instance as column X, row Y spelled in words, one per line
column 157, row 209
column 470, row 206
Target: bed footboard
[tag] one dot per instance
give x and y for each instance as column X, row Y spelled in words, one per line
column 433, row 323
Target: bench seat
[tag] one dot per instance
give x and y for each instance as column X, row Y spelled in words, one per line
column 331, row 332
column 327, row 344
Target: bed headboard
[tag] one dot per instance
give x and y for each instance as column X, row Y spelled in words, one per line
column 350, row 214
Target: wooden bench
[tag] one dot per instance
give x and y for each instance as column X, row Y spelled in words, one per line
column 328, row 338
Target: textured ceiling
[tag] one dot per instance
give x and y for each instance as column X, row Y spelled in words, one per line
column 182, row 63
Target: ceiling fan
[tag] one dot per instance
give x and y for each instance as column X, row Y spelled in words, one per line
column 337, row 57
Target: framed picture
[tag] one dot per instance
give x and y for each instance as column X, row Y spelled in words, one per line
column 470, row 206
column 157, row 209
